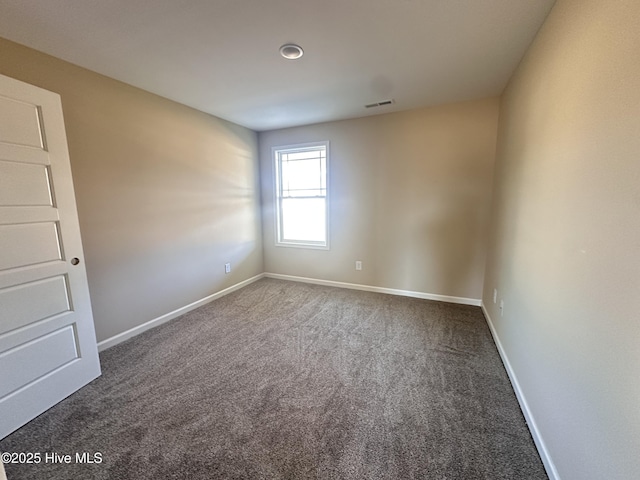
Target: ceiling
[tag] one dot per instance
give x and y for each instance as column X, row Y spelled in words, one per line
column 221, row 56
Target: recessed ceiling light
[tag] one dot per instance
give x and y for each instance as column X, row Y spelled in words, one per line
column 291, row 51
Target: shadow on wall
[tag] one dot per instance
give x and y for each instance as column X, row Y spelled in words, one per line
column 452, row 262
column 435, row 251
column 174, row 209
column 433, row 185
column 438, row 236
column 198, row 195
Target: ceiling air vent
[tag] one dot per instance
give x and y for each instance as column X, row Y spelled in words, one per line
column 379, row 104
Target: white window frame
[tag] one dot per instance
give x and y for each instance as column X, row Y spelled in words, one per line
column 275, row 154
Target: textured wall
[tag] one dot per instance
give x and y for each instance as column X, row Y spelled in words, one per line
column 565, row 241
column 166, row 194
column 410, row 195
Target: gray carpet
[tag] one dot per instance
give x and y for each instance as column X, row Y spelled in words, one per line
column 283, row 380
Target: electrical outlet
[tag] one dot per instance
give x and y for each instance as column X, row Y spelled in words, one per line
column 495, row 295
column 358, row 265
column 501, row 307
column 227, row 268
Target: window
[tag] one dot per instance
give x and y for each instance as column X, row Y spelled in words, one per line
column 301, row 195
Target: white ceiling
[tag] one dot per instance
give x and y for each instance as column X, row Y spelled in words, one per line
column 221, row 56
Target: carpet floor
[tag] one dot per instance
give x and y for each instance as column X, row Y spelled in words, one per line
column 284, row 380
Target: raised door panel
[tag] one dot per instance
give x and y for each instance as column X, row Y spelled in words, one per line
column 20, row 123
column 24, row 184
column 30, row 244
column 18, row 307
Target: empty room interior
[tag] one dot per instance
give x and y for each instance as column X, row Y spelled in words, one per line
column 320, row 239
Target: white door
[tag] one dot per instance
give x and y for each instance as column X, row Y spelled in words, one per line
column 47, row 340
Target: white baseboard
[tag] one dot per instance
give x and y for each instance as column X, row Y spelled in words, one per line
column 367, row 288
column 549, row 466
column 132, row 332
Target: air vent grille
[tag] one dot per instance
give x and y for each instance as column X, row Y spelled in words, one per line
column 379, row 104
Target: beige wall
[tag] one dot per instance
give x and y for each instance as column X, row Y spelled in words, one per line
column 565, row 247
column 410, row 199
column 166, row 194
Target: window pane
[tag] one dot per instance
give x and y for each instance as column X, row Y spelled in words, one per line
column 303, row 219
column 302, row 175
column 305, row 154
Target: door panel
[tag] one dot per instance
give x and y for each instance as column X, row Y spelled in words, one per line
column 31, row 243
column 36, row 358
column 24, row 184
column 20, row 123
column 47, row 340
column 17, row 309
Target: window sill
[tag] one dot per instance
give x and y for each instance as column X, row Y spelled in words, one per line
column 310, row 246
